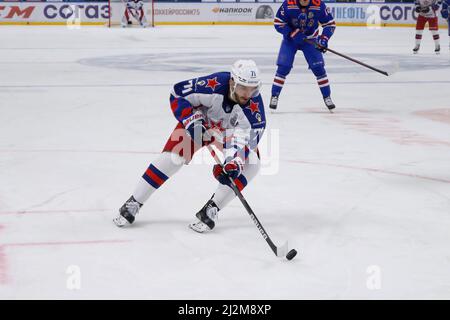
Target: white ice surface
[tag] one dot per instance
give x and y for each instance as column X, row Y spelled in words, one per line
column 367, row 189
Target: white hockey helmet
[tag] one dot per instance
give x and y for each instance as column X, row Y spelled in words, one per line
column 246, row 73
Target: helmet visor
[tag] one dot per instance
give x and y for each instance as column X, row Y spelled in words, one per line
column 246, row 91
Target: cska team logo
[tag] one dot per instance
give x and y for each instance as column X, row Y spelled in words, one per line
column 212, row 83
column 217, row 126
column 254, row 106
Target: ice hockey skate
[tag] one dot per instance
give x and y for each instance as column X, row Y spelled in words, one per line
column 207, row 218
column 329, row 103
column 273, row 102
column 437, row 49
column 416, row 49
column 127, row 213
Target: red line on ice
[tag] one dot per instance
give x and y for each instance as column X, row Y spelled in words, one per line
column 3, row 266
column 411, row 175
column 3, row 263
column 390, row 128
column 356, row 118
column 77, row 151
column 4, row 279
column 53, row 211
column 62, row 243
column 440, row 115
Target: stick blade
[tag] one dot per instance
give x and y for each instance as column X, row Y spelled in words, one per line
column 393, row 68
column 282, row 251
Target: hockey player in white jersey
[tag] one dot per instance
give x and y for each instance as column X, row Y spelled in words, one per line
column 223, row 109
column 427, row 13
column 134, row 8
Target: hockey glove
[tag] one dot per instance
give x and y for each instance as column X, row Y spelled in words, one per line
column 322, row 43
column 425, row 10
column 195, row 127
column 231, row 169
column 417, row 9
column 285, row 31
column 297, row 36
column 444, row 14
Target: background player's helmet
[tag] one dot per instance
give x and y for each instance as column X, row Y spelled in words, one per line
column 246, row 73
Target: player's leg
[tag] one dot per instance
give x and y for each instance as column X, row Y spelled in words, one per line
column 142, row 18
column 317, row 65
column 434, row 28
column 285, row 61
column 420, row 26
column 178, row 151
column 448, row 26
column 125, row 19
column 448, row 31
column 207, row 216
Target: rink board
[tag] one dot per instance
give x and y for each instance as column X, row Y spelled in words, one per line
column 97, row 13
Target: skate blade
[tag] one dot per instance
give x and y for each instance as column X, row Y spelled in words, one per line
column 120, row 221
column 199, row 227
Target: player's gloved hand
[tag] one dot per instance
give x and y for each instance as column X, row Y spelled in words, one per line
column 425, row 10
column 444, row 14
column 297, row 36
column 195, row 127
column 417, row 9
column 322, row 43
column 231, row 169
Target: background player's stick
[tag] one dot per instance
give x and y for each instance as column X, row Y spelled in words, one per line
column 279, row 251
column 347, row 57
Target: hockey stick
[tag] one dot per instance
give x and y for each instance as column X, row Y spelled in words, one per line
column 318, row 46
column 278, row 251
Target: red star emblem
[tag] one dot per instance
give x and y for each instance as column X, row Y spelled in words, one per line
column 254, row 106
column 212, row 83
column 216, row 125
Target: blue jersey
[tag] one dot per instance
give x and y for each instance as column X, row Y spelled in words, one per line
column 445, row 11
column 291, row 16
column 239, row 127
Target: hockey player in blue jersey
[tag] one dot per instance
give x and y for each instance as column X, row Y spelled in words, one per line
column 445, row 12
column 297, row 21
column 224, row 109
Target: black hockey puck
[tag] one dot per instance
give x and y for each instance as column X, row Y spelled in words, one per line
column 291, row 254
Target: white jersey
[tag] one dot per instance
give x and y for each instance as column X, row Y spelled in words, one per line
column 238, row 127
column 135, row 5
column 136, row 10
column 428, row 7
